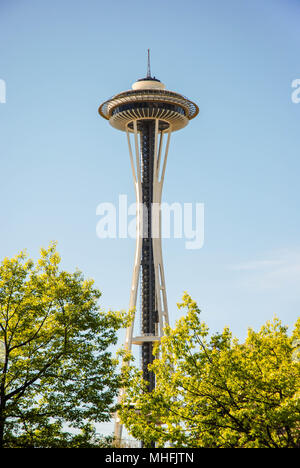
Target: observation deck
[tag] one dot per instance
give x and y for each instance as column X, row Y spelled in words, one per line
column 148, row 99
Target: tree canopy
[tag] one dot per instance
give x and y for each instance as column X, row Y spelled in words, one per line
column 57, row 374
column 212, row 391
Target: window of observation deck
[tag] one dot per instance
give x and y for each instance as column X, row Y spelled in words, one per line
column 148, row 105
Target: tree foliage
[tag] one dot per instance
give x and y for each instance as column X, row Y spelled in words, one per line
column 212, row 391
column 57, row 374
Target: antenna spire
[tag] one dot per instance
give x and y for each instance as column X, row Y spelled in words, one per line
column 148, row 68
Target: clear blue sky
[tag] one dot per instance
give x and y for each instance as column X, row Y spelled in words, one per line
column 240, row 157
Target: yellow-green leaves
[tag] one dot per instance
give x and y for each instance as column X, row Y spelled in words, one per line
column 212, row 391
column 56, row 367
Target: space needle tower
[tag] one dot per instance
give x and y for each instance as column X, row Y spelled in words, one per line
column 148, row 113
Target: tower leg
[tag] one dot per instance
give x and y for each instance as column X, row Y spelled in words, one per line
column 148, row 180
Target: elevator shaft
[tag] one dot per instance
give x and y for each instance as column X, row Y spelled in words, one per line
column 149, row 316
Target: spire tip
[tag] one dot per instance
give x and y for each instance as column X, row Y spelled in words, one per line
column 148, row 68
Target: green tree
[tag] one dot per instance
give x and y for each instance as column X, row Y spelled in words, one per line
column 212, row 391
column 57, row 374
